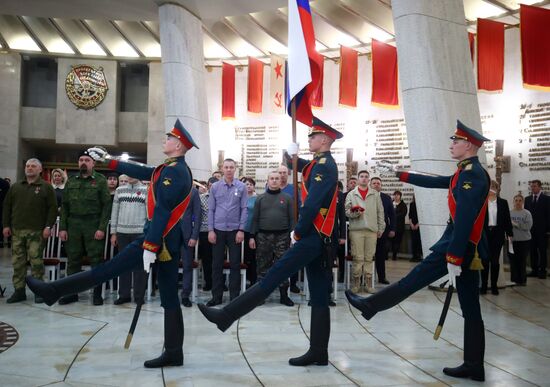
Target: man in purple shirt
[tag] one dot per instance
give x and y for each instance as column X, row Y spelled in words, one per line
column 227, row 215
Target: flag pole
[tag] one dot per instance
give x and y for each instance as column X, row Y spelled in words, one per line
column 294, row 161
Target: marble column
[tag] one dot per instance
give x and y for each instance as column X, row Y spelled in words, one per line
column 11, row 159
column 437, row 83
column 184, row 82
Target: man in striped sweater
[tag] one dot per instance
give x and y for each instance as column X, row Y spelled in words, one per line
column 128, row 215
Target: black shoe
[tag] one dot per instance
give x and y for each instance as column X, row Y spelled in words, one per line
column 331, row 303
column 384, row 299
column 18, row 296
column 67, row 299
column 122, row 300
column 224, row 317
column 173, row 341
column 38, row 300
column 214, row 301
column 318, row 343
column 384, row 281
column 67, row 287
column 285, row 300
column 295, row 289
column 542, row 275
column 494, row 291
column 466, row 371
column 533, row 274
column 185, row 301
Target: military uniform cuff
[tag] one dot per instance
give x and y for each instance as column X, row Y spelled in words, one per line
column 454, row 259
column 403, row 176
column 153, row 247
column 113, row 164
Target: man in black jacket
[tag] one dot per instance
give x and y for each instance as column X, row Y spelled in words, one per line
column 499, row 225
column 538, row 204
column 382, row 243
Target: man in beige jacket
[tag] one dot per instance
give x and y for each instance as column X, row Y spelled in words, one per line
column 366, row 224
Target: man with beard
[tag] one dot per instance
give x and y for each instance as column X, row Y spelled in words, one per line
column 85, row 213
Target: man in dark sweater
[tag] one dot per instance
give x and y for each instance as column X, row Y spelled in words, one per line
column 30, row 209
column 270, row 229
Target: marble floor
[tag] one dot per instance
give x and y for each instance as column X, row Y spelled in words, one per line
column 82, row 345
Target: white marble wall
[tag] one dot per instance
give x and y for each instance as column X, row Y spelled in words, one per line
column 184, row 86
column 10, row 96
column 155, row 115
column 91, row 127
column 38, row 123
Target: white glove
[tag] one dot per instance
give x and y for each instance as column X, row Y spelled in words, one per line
column 98, row 154
column 454, row 271
column 292, row 148
column 385, row 166
column 292, row 240
column 148, row 258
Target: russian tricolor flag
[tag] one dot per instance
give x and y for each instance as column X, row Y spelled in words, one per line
column 303, row 60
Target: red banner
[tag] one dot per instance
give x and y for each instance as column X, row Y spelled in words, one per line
column 535, row 47
column 228, row 91
column 317, row 96
column 384, row 75
column 471, row 41
column 255, row 84
column 490, row 55
column 348, row 77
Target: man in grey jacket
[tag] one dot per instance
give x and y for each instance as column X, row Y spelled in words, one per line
column 366, row 224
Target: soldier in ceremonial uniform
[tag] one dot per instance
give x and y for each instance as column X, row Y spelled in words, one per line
column 167, row 198
column 457, row 253
column 85, row 213
column 312, row 236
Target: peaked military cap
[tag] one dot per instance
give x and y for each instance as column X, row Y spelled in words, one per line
column 462, row 132
column 319, row 126
column 183, row 135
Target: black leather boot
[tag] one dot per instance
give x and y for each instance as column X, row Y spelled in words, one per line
column 474, row 351
column 318, row 341
column 98, row 299
column 285, row 299
column 384, row 299
column 67, row 286
column 237, row 308
column 173, row 341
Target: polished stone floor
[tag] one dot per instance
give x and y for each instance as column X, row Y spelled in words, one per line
column 82, row 345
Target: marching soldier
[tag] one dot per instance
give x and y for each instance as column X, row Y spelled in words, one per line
column 312, row 236
column 167, row 198
column 85, row 213
column 457, row 253
column 29, row 212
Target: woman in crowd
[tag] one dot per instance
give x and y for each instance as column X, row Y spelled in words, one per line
column 250, row 254
column 400, row 214
column 58, row 182
column 522, row 221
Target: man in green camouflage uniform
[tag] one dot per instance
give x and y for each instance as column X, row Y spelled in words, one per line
column 85, row 212
column 29, row 211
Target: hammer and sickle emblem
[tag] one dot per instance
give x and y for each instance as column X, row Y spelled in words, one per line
column 278, row 98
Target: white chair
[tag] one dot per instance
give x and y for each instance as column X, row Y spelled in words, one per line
column 51, row 261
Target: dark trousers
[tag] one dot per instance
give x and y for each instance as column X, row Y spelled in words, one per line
column 250, row 260
column 139, row 275
column 518, row 262
column 433, row 267
column 205, row 255
column 307, row 252
column 226, row 239
column 187, row 257
column 131, row 258
column 538, row 253
column 493, row 264
column 396, row 242
column 380, row 257
column 416, row 244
